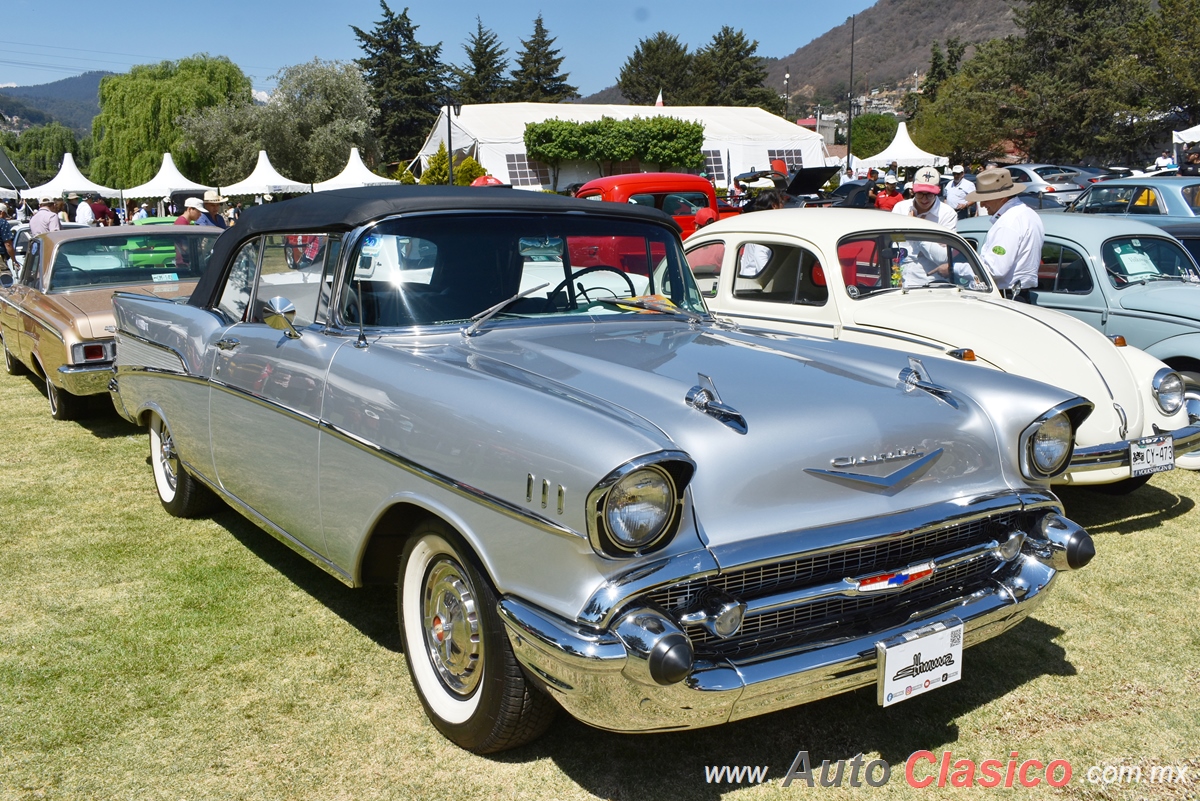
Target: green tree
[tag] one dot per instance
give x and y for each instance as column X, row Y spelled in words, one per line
column 319, row 110
column 467, row 171
column 969, row 120
column 552, row 142
column 407, row 81
column 38, row 151
column 659, row 63
column 536, row 78
column 139, row 111
column 942, row 67
column 1169, row 55
column 222, row 142
column 730, row 73
column 482, row 78
column 1076, row 81
column 668, row 142
column 607, row 141
column 871, row 133
column 437, row 171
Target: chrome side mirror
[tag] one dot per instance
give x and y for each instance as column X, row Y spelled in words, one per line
column 278, row 313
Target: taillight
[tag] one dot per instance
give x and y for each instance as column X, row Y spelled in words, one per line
column 1049, row 188
column 93, row 353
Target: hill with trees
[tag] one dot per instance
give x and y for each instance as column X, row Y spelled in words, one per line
column 72, row 101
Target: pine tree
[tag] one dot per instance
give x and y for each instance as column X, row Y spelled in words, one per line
column 536, row 78
column 658, row 63
column 407, row 80
column 729, row 73
column 482, row 78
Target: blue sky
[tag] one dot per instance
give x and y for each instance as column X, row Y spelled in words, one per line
column 44, row 41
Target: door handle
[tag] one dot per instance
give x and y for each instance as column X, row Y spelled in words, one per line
column 228, row 344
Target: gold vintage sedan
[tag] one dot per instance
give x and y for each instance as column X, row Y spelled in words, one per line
column 56, row 320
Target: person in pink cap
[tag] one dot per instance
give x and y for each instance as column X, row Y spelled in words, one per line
column 925, row 203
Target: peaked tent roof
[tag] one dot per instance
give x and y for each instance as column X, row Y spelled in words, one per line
column 10, row 177
column 69, row 179
column 354, row 175
column 904, row 153
column 169, row 179
column 264, row 180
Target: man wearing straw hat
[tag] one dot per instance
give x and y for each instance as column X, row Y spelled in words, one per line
column 213, row 205
column 1013, row 249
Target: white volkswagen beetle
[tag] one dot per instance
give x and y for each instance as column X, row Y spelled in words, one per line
column 907, row 284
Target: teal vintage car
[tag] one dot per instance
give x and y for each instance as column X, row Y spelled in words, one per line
column 1126, row 278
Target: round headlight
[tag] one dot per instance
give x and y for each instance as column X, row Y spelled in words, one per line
column 638, row 508
column 1050, row 445
column 1168, row 390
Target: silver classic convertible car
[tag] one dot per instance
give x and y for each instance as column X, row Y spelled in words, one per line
column 589, row 493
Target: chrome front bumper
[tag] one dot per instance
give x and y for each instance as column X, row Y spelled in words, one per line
column 1116, row 454
column 598, row 679
column 90, row 380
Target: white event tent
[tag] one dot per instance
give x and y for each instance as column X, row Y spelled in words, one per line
column 264, row 180
column 1186, row 137
column 904, row 153
column 169, row 179
column 69, row 179
column 354, row 175
column 736, row 140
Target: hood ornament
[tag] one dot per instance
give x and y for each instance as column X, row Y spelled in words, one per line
column 704, row 398
column 916, row 376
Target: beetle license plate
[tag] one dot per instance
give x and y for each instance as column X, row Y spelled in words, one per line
column 1151, row 455
column 916, row 662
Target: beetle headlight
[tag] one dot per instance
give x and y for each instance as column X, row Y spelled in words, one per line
column 1046, row 446
column 637, row 508
column 1167, row 387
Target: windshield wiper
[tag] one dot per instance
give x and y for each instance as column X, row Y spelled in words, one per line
column 487, row 314
column 659, row 306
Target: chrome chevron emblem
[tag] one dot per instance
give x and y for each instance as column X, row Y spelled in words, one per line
column 892, row 482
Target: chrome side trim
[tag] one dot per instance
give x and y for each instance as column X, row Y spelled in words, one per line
column 274, row 530
column 41, row 322
column 466, row 491
column 266, row 403
column 134, row 350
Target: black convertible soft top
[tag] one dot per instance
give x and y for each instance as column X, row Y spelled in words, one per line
column 342, row 210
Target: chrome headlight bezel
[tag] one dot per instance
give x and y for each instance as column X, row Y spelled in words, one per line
column 1068, row 416
column 673, row 470
column 1168, row 387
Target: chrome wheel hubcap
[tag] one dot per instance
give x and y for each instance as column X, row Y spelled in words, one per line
column 451, row 627
column 167, row 456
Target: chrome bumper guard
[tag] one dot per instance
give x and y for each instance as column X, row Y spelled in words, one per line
column 89, row 380
column 1116, row 454
column 608, row 678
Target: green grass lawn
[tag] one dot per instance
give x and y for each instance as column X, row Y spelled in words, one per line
column 146, row 657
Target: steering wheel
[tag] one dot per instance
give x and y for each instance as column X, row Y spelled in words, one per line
column 579, row 274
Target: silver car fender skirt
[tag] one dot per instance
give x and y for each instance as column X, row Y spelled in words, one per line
column 602, row 678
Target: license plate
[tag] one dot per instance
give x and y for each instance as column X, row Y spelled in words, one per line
column 916, row 662
column 1151, row 455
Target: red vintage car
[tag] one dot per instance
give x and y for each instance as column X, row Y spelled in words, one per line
column 678, row 194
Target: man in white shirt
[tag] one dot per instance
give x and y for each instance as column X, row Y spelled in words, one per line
column 1164, row 161
column 957, row 191
column 84, row 213
column 45, row 219
column 1013, row 249
column 927, row 261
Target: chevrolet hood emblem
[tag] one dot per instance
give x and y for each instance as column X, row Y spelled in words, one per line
column 889, row 484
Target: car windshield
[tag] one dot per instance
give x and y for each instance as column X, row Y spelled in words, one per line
column 902, row 260
column 133, row 259
column 1137, row 259
column 448, row 269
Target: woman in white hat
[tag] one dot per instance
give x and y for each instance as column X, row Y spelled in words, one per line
column 1013, row 249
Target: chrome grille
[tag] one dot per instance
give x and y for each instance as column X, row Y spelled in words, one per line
column 797, row 624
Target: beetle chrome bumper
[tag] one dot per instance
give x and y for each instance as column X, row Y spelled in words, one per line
column 89, row 380
column 1116, row 454
column 599, row 678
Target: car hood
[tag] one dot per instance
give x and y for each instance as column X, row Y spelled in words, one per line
column 91, row 311
column 805, row 404
column 1022, row 340
column 1162, row 297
